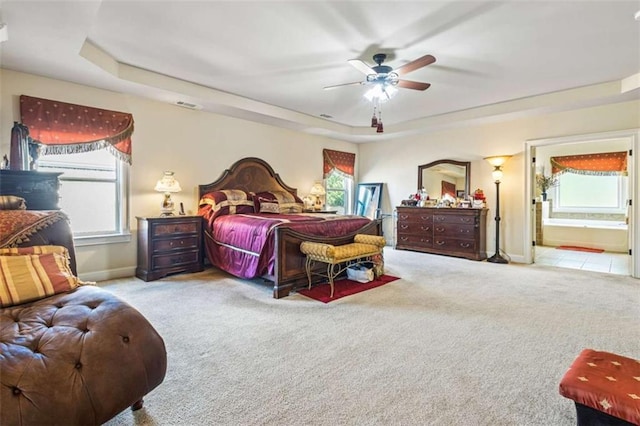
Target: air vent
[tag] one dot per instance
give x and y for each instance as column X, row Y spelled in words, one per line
column 188, row 105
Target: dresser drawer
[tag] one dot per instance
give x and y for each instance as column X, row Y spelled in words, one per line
column 175, row 244
column 454, row 245
column 414, row 227
column 415, row 240
column 454, row 231
column 162, row 229
column 416, row 217
column 450, row 218
column 175, row 259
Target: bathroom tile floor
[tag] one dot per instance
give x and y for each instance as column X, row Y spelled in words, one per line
column 614, row 263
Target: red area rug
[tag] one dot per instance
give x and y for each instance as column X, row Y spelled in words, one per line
column 577, row 248
column 344, row 288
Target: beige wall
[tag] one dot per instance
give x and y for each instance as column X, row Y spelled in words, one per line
column 196, row 145
column 396, row 163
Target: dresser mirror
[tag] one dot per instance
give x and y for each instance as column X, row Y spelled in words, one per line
column 368, row 200
column 445, row 177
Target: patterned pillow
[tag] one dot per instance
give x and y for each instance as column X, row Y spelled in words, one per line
column 11, row 202
column 278, row 202
column 34, row 250
column 228, row 201
column 28, row 277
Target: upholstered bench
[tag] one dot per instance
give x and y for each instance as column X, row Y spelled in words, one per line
column 605, row 388
column 339, row 258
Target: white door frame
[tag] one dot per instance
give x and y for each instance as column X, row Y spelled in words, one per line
column 634, row 188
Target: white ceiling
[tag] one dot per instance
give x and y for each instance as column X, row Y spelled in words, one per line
column 269, row 61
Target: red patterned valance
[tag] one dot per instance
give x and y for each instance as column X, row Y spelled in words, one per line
column 342, row 162
column 67, row 128
column 603, row 164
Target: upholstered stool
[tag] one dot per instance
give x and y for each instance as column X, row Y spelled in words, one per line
column 76, row 358
column 605, row 388
column 339, row 258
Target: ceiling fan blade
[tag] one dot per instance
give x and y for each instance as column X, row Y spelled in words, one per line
column 415, row 85
column 342, row 85
column 361, row 66
column 414, row 65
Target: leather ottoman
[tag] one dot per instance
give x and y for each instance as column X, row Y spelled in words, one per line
column 76, row 358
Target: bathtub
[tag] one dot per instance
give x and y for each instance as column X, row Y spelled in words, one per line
column 609, row 235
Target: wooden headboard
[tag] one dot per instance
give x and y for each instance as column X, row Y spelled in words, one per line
column 250, row 174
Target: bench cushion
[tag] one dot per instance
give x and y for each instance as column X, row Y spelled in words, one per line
column 606, row 382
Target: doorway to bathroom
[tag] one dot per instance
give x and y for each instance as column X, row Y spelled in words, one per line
column 584, row 219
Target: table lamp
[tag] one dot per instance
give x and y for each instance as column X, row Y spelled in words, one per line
column 317, row 190
column 167, row 184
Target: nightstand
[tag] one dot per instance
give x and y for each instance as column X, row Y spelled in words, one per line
column 168, row 245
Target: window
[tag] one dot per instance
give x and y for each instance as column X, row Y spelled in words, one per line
column 93, row 193
column 339, row 190
column 591, row 193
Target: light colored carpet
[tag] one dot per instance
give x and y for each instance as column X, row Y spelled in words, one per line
column 454, row 342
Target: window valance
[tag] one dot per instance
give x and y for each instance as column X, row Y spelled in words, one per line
column 65, row 128
column 342, row 162
column 600, row 164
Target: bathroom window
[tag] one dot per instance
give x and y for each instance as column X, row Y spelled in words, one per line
column 591, row 193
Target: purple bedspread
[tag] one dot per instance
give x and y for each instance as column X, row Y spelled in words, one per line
column 243, row 244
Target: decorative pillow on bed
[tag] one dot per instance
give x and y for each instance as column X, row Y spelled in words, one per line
column 28, row 277
column 228, row 201
column 278, row 202
column 11, row 202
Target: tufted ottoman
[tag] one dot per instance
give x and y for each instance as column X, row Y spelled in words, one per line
column 363, row 248
column 605, row 388
column 76, row 358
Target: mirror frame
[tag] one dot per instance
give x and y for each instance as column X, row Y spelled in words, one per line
column 465, row 164
column 377, row 203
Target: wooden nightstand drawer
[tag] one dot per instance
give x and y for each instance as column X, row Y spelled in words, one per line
column 175, row 244
column 173, row 260
column 169, row 245
column 163, row 229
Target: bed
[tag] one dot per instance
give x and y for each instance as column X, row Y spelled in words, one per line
column 243, row 239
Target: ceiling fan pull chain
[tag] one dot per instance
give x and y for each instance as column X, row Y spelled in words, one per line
column 374, row 119
column 380, row 129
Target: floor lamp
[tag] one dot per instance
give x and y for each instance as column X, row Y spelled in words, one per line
column 497, row 162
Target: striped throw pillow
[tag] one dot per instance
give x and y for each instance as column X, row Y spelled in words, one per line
column 28, row 277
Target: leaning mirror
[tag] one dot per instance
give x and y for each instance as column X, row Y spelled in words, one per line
column 368, row 200
column 445, row 177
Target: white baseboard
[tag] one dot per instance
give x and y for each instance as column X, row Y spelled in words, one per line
column 108, row 274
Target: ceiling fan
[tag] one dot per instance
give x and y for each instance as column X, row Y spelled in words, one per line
column 385, row 76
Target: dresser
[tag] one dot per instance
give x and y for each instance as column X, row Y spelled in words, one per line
column 168, row 245
column 39, row 189
column 450, row 231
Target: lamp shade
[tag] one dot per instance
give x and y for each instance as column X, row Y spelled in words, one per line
column 168, row 183
column 498, row 160
column 317, row 189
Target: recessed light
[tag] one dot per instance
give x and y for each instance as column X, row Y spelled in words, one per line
column 637, row 16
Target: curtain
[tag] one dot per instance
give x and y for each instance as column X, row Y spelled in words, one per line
column 67, row 128
column 341, row 162
column 601, row 164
